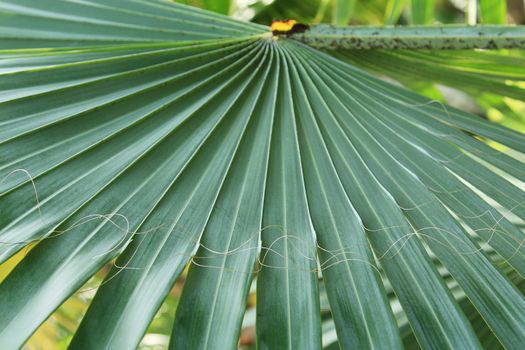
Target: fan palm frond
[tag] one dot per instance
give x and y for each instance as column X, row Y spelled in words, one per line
column 160, row 135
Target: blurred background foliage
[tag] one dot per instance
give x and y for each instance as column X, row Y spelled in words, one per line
column 489, row 84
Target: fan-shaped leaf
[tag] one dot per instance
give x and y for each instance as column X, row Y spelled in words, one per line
column 156, row 135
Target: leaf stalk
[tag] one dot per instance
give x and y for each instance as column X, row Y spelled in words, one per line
column 414, row 37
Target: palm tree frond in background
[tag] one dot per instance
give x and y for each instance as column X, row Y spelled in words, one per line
column 495, row 80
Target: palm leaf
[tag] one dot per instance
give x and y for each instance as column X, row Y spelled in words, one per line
column 159, row 135
column 422, row 11
column 470, row 71
column 492, row 11
column 343, row 11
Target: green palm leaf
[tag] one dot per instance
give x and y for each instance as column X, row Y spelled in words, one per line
column 159, row 135
column 470, row 71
